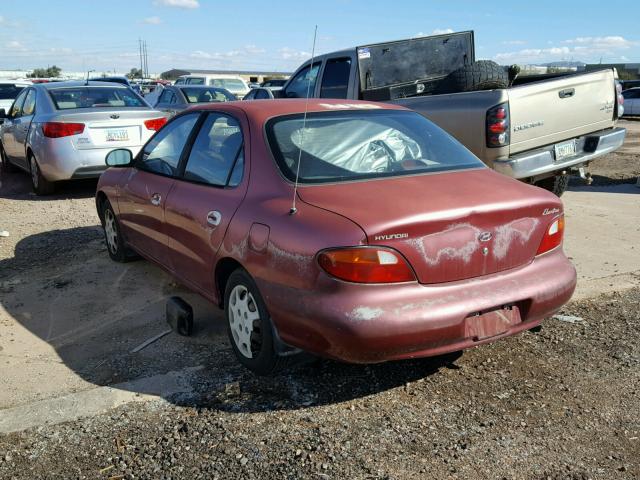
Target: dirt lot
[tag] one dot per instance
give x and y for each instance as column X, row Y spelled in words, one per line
column 561, row 403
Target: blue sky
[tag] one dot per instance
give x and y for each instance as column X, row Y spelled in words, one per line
column 79, row 35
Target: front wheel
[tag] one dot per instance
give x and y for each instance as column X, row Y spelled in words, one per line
column 41, row 186
column 557, row 184
column 116, row 246
column 249, row 325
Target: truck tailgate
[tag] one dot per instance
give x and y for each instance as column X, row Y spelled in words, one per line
column 547, row 112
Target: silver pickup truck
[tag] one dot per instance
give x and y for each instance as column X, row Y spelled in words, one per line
column 534, row 128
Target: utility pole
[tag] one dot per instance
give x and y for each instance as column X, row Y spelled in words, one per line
column 140, row 47
column 146, row 60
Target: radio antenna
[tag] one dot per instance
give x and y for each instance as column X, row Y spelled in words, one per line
column 304, row 124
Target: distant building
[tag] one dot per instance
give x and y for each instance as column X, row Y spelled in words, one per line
column 248, row 75
column 626, row 71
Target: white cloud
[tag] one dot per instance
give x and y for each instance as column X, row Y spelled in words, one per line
column 254, row 50
column 178, row 3
column 287, row 53
column 152, row 20
column 580, row 48
column 15, row 45
column 437, row 31
column 514, row 42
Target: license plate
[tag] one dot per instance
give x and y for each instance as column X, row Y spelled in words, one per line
column 117, row 135
column 491, row 323
column 565, row 149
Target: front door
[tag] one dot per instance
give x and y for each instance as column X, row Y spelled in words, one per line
column 203, row 202
column 148, row 184
column 21, row 131
column 11, row 124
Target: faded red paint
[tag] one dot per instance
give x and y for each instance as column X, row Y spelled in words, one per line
column 459, row 298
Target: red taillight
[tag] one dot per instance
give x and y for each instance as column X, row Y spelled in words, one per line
column 155, row 123
column 366, row 265
column 498, row 126
column 61, row 129
column 553, row 236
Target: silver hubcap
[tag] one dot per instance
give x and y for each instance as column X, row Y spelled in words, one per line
column 34, row 172
column 110, row 231
column 243, row 313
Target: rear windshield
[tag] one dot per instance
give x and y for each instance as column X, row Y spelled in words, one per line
column 9, row 91
column 94, row 97
column 206, row 95
column 228, row 83
column 352, row 145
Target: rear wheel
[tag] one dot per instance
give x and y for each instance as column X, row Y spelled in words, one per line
column 4, row 162
column 556, row 184
column 41, row 186
column 249, row 325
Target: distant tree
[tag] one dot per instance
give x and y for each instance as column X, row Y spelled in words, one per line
column 134, row 73
column 49, row 72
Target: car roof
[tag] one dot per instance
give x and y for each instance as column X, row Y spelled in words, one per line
column 80, row 83
column 265, row 109
column 20, row 83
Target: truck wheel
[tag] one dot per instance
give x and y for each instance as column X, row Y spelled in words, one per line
column 249, row 326
column 41, row 186
column 556, row 184
column 480, row 75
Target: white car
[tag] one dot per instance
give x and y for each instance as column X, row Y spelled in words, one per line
column 631, row 101
column 9, row 90
column 232, row 83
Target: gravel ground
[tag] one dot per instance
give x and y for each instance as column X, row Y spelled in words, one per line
column 561, row 404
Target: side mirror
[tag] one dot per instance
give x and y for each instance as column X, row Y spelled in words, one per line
column 119, row 158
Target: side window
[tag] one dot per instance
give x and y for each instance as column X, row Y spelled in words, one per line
column 215, row 151
column 165, row 96
column 195, row 81
column 179, row 81
column 262, row 94
column 251, row 95
column 162, row 154
column 17, row 104
column 29, row 103
column 335, row 80
column 304, row 81
column 173, row 99
column 629, row 94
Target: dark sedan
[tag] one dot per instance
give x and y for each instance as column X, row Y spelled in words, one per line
column 175, row 99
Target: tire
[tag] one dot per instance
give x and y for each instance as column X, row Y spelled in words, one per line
column 116, row 245
column 41, row 186
column 7, row 167
column 249, row 326
column 556, row 184
column 480, row 75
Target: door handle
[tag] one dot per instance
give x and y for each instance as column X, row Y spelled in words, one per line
column 213, row 218
column 156, row 199
column 566, row 93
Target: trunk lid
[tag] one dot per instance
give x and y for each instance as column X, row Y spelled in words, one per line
column 110, row 128
column 550, row 111
column 442, row 223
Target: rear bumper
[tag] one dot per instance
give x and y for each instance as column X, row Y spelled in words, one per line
column 60, row 160
column 375, row 323
column 542, row 161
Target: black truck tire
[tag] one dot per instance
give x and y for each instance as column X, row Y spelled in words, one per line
column 556, row 184
column 480, row 75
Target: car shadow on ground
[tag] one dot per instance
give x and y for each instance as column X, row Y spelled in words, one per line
column 17, row 186
column 94, row 313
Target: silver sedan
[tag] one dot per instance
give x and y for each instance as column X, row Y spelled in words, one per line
column 175, row 99
column 63, row 131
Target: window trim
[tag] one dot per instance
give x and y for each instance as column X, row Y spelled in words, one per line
column 138, row 164
column 182, row 165
column 326, row 63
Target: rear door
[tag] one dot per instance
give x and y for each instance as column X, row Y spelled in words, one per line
column 202, row 203
column 144, row 193
column 21, row 131
column 550, row 111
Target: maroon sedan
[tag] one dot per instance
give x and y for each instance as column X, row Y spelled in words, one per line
column 395, row 241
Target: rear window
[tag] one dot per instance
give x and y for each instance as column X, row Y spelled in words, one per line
column 352, row 145
column 206, row 95
column 195, row 81
column 9, row 91
column 94, row 97
column 228, row 83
